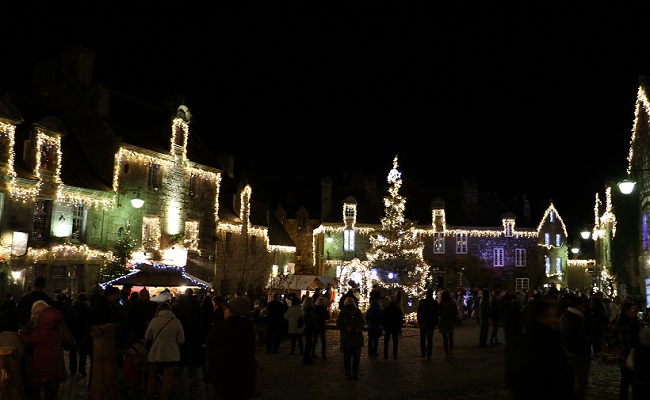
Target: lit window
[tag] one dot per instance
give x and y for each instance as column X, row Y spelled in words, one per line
column 77, row 221
column 521, row 284
column 151, row 232
column 558, row 265
column 461, row 243
column 438, row 243
column 348, row 240
column 547, row 264
column 551, row 216
column 558, row 240
column 460, row 280
column 153, row 178
column 498, row 257
column 509, row 229
column 40, row 225
column 192, row 235
column 520, row 257
column 547, row 239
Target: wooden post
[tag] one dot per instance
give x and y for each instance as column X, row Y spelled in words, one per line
column 11, row 380
column 104, row 382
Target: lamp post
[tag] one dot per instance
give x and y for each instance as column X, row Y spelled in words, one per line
column 136, row 201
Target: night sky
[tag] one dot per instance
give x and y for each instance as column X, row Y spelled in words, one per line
column 526, row 101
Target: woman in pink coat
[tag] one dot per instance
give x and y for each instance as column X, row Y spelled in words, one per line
column 44, row 344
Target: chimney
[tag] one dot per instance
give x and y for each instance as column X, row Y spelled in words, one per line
column 227, row 164
column 79, row 62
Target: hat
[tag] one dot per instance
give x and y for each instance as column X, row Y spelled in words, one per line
column 239, row 306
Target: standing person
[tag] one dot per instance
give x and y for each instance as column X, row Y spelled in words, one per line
column 547, row 377
column 495, row 317
column 77, row 320
column 599, row 322
column 614, row 308
column 9, row 303
column 484, row 317
column 293, row 315
column 577, row 348
column 373, row 319
column 310, row 325
column 46, row 368
column 230, row 346
column 38, row 293
column 427, row 316
column 165, row 333
column 138, row 317
column 448, row 316
column 322, row 316
column 275, row 310
column 392, row 320
column 350, row 322
column 103, row 310
column 622, row 336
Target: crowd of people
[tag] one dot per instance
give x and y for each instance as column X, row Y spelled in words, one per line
column 191, row 341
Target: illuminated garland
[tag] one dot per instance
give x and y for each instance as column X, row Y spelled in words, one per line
column 179, row 124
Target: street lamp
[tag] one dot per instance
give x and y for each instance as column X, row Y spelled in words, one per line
column 626, row 186
column 136, row 202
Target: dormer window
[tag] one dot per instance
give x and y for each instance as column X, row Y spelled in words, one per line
column 509, row 227
column 349, row 212
column 348, row 240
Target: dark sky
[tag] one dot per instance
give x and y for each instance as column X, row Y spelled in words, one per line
column 526, row 101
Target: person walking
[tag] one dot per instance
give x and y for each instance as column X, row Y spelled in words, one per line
column 392, row 320
column 547, row 377
column 77, row 320
column 484, row 317
column 165, row 333
column 294, row 330
column 322, row 316
column 576, row 344
column 622, row 336
column 275, row 310
column 373, row 320
column 350, row 323
column 310, row 326
column 427, row 317
column 448, row 316
column 230, row 346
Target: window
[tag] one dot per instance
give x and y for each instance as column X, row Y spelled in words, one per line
column 547, row 239
column 40, row 226
column 77, row 221
column 438, row 243
column 302, row 223
column 460, row 280
column 551, row 216
column 348, row 240
column 558, row 265
column 461, row 243
column 498, row 257
column 228, row 248
column 349, row 211
column 521, row 284
column 193, row 185
column 558, row 240
column 192, row 235
column 47, row 157
column 520, row 257
column 151, row 233
column 153, row 179
column 509, row 228
column 547, row 265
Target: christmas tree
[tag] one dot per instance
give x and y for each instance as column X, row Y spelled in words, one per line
column 396, row 253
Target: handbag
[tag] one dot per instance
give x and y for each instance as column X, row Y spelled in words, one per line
column 629, row 361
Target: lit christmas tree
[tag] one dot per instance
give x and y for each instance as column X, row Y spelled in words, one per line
column 397, row 250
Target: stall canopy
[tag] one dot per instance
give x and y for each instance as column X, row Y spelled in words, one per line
column 300, row 282
column 158, row 276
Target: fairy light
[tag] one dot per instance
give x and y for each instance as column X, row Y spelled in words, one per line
column 244, row 209
column 151, row 232
column 180, row 125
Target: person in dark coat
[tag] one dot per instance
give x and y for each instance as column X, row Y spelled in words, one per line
column 350, row 323
column 392, row 320
column 577, row 347
column 310, row 326
column 77, row 320
column 622, row 336
column 275, row 310
column 322, row 316
column 448, row 311
column 373, row 319
column 230, row 346
column 38, row 293
column 427, row 316
column 538, row 368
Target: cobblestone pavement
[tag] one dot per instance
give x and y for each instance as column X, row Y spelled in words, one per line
column 474, row 373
